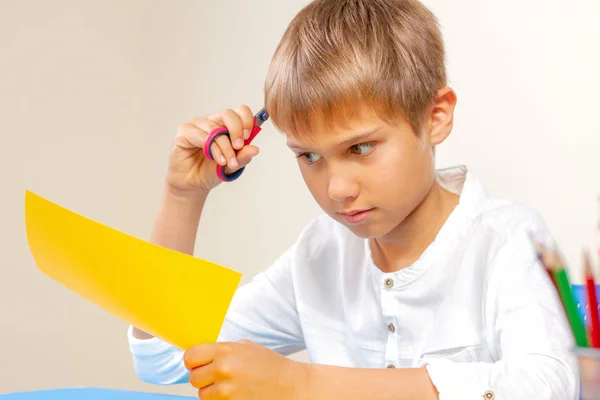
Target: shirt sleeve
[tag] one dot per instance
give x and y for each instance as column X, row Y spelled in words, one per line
column 530, row 331
column 262, row 311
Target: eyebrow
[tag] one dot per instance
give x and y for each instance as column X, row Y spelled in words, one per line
column 360, row 138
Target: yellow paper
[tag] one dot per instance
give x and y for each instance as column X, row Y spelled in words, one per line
column 174, row 296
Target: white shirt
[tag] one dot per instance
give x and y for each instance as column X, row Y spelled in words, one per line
column 477, row 308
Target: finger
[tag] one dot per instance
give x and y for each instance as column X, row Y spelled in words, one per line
column 190, row 136
column 234, row 125
column 203, row 376
column 206, row 126
column 246, row 154
column 244, row 157
column 217, row 155
column 228, row 152
column 247, row 119
column 207, row 393
column 216, row 391
column 199, row 355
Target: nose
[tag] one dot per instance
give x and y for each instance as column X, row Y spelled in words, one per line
column 342, row 187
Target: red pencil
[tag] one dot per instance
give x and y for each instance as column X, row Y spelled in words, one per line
column 594, row 327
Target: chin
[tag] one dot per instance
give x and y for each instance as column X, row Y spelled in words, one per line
column 369, row 230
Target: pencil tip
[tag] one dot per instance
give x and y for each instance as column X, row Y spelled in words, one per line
column 587, row 261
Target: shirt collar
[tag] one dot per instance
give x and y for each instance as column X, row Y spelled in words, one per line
column 458, row 180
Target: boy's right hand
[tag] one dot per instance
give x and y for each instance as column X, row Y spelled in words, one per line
column 189, row 170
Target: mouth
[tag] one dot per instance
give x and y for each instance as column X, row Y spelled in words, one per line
column 356, row 216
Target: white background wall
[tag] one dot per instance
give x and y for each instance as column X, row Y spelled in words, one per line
column 91, row 94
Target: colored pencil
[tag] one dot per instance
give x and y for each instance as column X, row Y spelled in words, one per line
column 594, row 326
column 563, row 285
column 539, row 249
column 598, row 227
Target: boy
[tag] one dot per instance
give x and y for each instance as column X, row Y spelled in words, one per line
column 415, row 284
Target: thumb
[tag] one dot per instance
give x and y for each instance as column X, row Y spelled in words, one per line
column 246, row 154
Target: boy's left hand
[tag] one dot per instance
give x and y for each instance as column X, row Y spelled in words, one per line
column 244, row 370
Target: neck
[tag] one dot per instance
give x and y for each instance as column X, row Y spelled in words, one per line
column 404, row 245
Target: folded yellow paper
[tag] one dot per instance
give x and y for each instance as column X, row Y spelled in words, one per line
column 174, row 296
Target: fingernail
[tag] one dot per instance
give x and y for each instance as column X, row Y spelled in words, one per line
column 233, row 163
column 239, row 143
column 246, row 134
column 223, row 160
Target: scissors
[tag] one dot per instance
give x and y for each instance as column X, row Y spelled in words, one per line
column 259, row 118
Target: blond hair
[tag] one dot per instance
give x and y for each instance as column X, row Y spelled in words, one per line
column 339, row 55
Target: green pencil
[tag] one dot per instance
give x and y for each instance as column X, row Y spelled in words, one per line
column 564, row 288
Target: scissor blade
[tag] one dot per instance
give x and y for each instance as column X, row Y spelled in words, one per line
column 261, row 117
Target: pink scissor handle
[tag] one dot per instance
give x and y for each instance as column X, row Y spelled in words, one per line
column 212, row 136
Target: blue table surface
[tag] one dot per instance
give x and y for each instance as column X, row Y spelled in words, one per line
column 89, row 394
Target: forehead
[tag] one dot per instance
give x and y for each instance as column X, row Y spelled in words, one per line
column 324, row 132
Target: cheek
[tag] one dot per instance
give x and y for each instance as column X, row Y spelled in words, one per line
column 315, row 184
column 403, row 172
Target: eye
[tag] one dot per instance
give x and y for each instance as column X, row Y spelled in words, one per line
column 309, row 157
column 361, row 148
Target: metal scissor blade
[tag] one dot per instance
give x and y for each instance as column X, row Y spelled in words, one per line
column 261, row 117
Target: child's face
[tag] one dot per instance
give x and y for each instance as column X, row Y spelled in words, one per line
column 368, row 176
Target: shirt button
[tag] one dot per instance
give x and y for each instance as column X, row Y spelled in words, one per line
column 489, row 395
column 390, row 366
column 389, row 282
column 391, row 328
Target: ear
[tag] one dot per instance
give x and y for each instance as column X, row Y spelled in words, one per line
column 441, row 117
